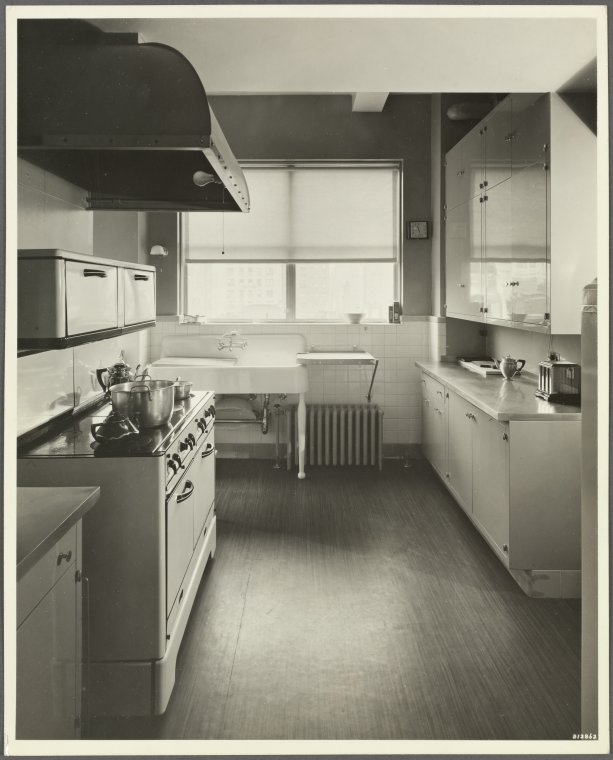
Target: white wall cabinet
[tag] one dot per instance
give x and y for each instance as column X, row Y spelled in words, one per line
column 519, row 251
column 49, row 644
column 500, row 473
column 80, row 299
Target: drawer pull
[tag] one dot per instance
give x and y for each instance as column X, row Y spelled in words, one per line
column 208, row 451
column 141, row 277
column 187, row 491
column 64, row 555
column 94, row 273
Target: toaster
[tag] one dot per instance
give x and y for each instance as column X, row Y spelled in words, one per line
column 559, row 381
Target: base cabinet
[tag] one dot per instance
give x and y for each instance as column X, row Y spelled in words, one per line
column 49, row 645
column 518, row 482
column 491, row 486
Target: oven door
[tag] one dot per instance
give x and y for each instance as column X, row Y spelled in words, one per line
column 180, row 511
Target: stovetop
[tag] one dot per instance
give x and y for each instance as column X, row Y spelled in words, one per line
column 74, row 439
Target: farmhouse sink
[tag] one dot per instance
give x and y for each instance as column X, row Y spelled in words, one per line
column 232, row 363
column 267, row 364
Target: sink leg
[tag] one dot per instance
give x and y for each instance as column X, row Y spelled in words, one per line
column 301, row 435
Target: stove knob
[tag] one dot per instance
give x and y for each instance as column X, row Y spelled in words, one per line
column 211, row 411
column 177, row 460
column 184, row 445
column 201, row 424
column 172, row 466
column 192, row 439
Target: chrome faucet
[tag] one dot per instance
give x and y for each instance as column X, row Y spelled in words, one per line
column 231, row 340
column 191, row 319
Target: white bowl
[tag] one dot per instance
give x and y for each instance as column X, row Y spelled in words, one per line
column 354, row 317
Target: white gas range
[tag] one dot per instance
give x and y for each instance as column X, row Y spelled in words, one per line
column 145, row 546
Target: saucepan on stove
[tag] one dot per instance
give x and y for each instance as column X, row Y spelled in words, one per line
column 147, row 404
column 183, row 389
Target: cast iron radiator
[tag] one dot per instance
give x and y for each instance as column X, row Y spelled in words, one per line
column 338, row 434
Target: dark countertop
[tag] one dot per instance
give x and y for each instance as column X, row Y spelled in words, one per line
column 504, row 400
column 44, row 515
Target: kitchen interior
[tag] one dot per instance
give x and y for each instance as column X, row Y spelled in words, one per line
column 306, row 396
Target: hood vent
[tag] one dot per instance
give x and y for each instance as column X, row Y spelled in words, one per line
column 129, row 123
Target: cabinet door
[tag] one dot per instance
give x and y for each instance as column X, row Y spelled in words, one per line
column 91, row 297
column 454, row 180
column 139, row 296
column 491, row 480
column 439, row 436
column 205, row 496
column 48, row 663
column 530, row 131
column 515, row 247
column 460, row 422
column 427, row 428
column 464, row 170
column 497, row 140
column 463, row 259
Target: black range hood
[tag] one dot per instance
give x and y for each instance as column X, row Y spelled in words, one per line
column 128, row 122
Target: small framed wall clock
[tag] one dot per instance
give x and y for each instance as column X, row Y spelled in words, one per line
column 417, row 230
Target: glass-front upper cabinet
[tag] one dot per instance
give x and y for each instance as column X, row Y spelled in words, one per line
column 464, row 170
column 463, row 255
column 516, row 264
column 530, row 136
column 497, row 142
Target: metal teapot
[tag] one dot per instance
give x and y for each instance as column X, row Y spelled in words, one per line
column 120, row 372
column 114, row 428
column 509, row 366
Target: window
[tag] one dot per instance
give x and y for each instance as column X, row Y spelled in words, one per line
column 321, row 240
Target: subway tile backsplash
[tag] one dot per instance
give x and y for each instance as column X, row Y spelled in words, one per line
column 396, row 388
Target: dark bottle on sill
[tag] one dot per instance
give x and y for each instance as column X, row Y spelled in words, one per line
column 391, row 314
column 396, row 312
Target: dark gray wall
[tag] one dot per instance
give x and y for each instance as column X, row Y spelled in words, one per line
column 324, row 127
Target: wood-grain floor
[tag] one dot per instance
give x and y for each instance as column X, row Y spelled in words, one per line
column 360, row 604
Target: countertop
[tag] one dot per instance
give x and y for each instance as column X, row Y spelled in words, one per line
column 504, row 400
column 44, row 515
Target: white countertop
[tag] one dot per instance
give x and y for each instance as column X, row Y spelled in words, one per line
column 44, row 515
column 504, row 400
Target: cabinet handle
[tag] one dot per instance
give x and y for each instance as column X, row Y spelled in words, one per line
column 94, row 273
column 439, row 411
column 64, row 555
column 505, row 437
column 209, row 450
column 440, row 393
column 505, row 548
column 188, row 490
column 141, row 277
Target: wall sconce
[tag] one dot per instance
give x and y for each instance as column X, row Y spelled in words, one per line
column 158, row 250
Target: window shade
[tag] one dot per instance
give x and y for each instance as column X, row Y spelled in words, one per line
column 305, row 213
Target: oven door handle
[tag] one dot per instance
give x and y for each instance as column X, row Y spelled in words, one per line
column 208, row 451
column 188, row 490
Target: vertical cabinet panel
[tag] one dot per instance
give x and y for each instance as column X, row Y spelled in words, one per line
column 497, row 141
column 460, row 450
column 463, row 251
column 464, row 170
column 48, row 662
column 491, row 480
column 516, row 265
column 530, row 136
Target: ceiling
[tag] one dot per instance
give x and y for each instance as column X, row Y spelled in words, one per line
column 376, row 55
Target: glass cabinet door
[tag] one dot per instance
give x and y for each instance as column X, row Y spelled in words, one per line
column 463, row 259
column 530, row 119
column 515, row 248
column 497, row 140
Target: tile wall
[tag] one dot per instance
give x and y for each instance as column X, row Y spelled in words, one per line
column 396, row 388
